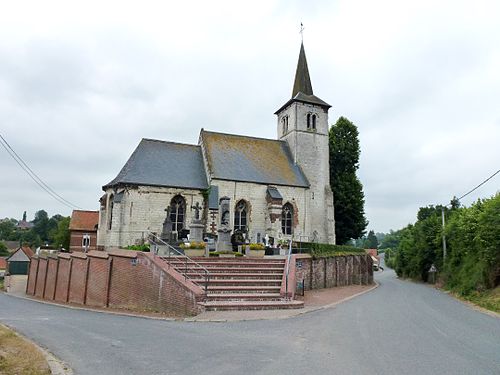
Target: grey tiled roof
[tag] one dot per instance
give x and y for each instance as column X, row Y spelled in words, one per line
column 160, row 163
column 274, row 192
column 249, row 159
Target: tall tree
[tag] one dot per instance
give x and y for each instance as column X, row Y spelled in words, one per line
column 60, row 235
column 371, row 241
column 349, row 199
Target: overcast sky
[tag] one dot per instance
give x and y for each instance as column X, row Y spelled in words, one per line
column 81, row 84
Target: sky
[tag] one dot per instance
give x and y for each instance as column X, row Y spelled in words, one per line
column 82, row 82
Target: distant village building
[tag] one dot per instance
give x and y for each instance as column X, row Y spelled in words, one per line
column 276, row 189
column 18, row 262
column 24, row 224
column 83, row 230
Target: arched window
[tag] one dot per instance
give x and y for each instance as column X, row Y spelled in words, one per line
column 311, row 121
column 284, row 122
column 110, row 210
column 177, row 213
column 287, row 219
column 240, row 216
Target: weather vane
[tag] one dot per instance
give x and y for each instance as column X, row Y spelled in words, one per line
column 302, row 31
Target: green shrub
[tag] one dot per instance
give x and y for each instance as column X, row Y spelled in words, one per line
column 193, row 245
column 257, row 246
column 321, row 250
column 144, row 247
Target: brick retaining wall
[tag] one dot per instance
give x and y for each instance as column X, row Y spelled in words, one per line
column 118, row 279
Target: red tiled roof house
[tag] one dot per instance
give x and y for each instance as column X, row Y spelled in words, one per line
column 83, row 225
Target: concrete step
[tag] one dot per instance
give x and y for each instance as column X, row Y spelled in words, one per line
column 243, row 297
column 236, row 282
column 242, row 289
column 275, row 270
column 251, row 305
column 210, row 265
column 238, row 275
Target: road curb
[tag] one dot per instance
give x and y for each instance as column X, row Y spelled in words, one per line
column 111, row 312
column 306, row 310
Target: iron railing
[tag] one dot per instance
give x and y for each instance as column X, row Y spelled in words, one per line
column 287, row 270
column 187, row 264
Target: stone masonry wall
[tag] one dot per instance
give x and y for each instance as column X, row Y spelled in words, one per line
column 310, row 150
column 333, row 271
column 141, row 209
column 259, row 221
column 118, row 279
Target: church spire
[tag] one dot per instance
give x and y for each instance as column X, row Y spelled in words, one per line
column 302, row 80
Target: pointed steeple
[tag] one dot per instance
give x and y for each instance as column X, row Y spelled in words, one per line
column 302, row 88
column 302, row 80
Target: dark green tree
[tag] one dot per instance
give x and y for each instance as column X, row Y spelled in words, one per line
column 8, row 230
column 349, row 199
column 371, row 241
column 60, row 235
column 3, row 249
column 41, row 225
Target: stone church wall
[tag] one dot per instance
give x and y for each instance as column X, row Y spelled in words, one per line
column 310, row 149
column 259, row 220
column 141, row 209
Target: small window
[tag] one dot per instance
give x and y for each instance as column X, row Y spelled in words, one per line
column 240, row 216
column 86, row 240
column 284, row 122
column 287, row 219
column 311, row 121
column 177, row 213
column 110, row 212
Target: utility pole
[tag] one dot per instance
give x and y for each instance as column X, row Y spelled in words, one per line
column 444, row 236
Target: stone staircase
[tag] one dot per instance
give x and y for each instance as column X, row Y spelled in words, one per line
column 239, row 283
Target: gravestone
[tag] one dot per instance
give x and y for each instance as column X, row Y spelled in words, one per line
column 196, row 226
column 224, row 231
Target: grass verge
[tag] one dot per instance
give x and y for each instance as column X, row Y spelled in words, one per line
column 18, row 356
column 490, row 299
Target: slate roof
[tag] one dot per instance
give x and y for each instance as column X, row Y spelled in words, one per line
column 84, row 220
column 160, row 163
column 249, row 159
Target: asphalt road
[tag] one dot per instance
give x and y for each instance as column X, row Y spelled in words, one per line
column 398, row 328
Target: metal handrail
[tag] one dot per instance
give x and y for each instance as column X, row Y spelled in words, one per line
column 288, row 268
column 203, row 272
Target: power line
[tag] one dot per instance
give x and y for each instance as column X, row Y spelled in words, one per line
column 34, row 176
column 481, row 184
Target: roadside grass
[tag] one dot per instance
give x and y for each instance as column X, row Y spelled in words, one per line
column 1, row 284
column 489, row 300
column 18, row 356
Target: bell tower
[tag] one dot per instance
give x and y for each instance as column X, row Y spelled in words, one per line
column 303, row 124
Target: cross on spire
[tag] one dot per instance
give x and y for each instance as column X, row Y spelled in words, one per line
column 302, row 32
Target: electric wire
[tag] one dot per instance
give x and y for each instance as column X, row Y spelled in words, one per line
column 34, row 176
column 481, row 184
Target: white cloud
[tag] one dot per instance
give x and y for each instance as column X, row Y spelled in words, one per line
column 82, row 82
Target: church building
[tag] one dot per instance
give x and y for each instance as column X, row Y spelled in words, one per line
column 278, row 189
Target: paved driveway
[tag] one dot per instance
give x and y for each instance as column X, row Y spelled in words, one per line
column 399, row 328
